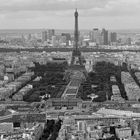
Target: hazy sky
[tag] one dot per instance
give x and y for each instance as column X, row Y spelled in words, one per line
column 58, row 14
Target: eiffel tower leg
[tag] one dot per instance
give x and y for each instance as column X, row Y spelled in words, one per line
column 80, row 60
column 72, row 60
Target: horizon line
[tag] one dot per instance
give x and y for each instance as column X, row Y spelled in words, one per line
column 69, row 28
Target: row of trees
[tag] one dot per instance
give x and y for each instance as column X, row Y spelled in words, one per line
column 51, row 130
column 51, row 83
column 3, row 41
column 101, row 78
column 40, row 70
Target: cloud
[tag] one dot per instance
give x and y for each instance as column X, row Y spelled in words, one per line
column 115, row 8
column 49, row 5
column 53, row 10
column 66, row 7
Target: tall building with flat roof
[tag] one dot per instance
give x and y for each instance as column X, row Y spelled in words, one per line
column 95, row 36
column 51, row 32
column 104, row 37
column 113, row 37
column 68, row 37
column 63, row 41
column 44, row 36
column 54, row 41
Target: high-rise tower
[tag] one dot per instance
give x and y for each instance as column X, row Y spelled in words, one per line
column 76, row 54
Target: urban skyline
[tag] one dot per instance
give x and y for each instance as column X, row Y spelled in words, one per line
column 108, row 14
column 80, row 86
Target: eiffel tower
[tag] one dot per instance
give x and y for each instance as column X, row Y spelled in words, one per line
column 76, row 54
column 76, row 64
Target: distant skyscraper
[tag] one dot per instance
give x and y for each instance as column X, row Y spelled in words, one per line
column 51, row 32
column 129, row 41
column 113, row 37
column 29, row 36
column 95, row 36
column 44, row 36
column 54, row 41
column 68, row 37
column 22, row 37
column 81, row 126
column 104, row 37
column 63, row 41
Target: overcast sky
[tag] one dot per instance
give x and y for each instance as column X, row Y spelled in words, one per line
column 58, row 14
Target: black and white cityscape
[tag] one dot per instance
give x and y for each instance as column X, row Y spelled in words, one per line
column 69, row 70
